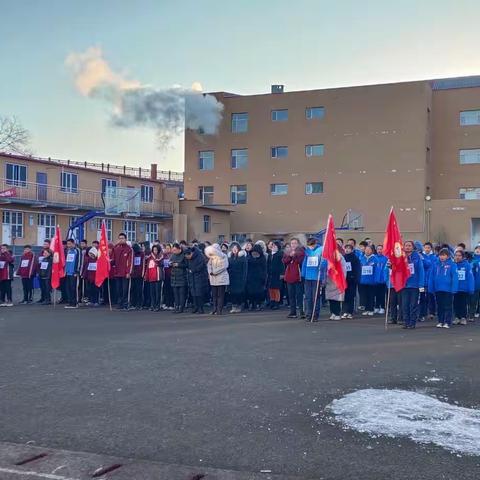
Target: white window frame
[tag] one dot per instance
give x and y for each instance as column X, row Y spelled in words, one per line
column 49, row 221
column 207, row 224
column 469, row 117
column 144, row 197
column 66, row 182
column 130, row 230
column 469, row 193
column 469, row 156
column 309, row 188
column 274, row 151
column 206, row 156
column 14, row 218
column 239, row 155
column 151, row 231
column 278, row 115
column 273, row 189
column 309, row 113
column 234, row 193
column 202, row 194
column 16, row 181
column 108, row 182
column 239, row 237
column 108, row 228
column 239, row 125
column 310, row 150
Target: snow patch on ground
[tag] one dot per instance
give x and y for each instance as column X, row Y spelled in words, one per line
column 400, row 413
column 432, row 379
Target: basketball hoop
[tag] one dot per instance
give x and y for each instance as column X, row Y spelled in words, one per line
column 122, row 200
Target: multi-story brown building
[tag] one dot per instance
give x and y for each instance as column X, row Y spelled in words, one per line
column 37, row 194
column 282, row 161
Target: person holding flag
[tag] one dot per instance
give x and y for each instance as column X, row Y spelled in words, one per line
column 123, row 266
column 58, row 261
column 103, row 261
column 335, row 274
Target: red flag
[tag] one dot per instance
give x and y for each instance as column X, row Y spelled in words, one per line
column 333, row 257
column 58, row 265
column 103, row 260
column 393, row 250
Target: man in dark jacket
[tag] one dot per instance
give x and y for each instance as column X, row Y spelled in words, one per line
column 353, row 267
column 73, row 267
column 122, row 269
column 138, row 272
column 178, row 277
column 275, row 273
column 197, row 275
column 256, row 277
column 293, row 259
column 237, row 271
column 45, row 274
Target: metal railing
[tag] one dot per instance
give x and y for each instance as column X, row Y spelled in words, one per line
column 164, row 175
column 56, row 196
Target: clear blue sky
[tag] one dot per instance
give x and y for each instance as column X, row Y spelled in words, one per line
column 241, row 46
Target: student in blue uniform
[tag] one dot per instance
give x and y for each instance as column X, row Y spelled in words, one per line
column 415, row 284
column 443, row 282
column 310, row 272
column 466, row 287
column 73, row 267
column 380, row 287
column 368, row 279
column 427, row 298
column 474, row 299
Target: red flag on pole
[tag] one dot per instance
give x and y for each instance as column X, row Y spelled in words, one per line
column 58, row 264
column 393, row 250
column 103, row 260
column 333, row 257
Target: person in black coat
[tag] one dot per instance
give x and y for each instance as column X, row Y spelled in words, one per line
column 275, row 273
column 354, row 269
column 237, row 270
column 197, row 276
column 178, row 277
column 256, row 277
column 45, row 274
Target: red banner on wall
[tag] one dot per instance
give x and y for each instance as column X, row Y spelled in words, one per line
column 11, row 192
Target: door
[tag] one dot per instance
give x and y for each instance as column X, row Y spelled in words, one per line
column 475, row 232
column 7, row 233
column 41, row 186
column 41, row 235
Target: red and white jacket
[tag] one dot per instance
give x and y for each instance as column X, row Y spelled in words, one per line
column 6, row 259
column 26, row 269
column 154, row 268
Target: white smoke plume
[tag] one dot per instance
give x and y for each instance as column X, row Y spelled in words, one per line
column 168, row 111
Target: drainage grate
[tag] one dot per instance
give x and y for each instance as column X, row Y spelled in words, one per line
column 32, row 459
column 103, row 470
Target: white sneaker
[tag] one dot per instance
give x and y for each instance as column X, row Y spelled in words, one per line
column 439, row 325
column 463, row 321
column 349, row 316
column 376, row 310
column 345, row 315
column 3, row 304
column 8, row 305
column 381, row 311
column 477, row 315
column 332, row 316
column 445, row 325
column 456, row 321
column 370, row 314
column 336, row 317
column 365, row 314
column 233, row 310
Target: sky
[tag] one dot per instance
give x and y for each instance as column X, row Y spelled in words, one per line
column 240, row 46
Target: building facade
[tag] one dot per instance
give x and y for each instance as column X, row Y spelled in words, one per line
column 37, row 194
column 281, row 162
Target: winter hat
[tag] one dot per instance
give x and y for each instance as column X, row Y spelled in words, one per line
column 262, row 245
column 213, row 251
column 93, row 251
column 258, row 248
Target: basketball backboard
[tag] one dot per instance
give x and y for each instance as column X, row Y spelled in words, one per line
column 122, row 200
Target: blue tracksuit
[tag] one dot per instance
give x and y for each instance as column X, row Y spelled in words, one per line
column 466, row 282
column 311, row 263
column 444, row 282
column 311, row 266
column 476, row 271
column 368, row 274
column 380, row 269
column 417, row 271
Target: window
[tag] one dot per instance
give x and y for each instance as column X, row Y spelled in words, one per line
column 314, row 150
column 146, row 193
column 314, row 112
column 470, row 193
column 108, row 182
column 108, row 228
column 48, row 221
column 279, row 188
column 279, row 115
column 16, row 175
column 239, row 122
column 238, row 194
column 207, row 224
column 279, row 152
column 239, row 158
column 471, row 155
column 470, row 117
column 221, row 239
column 15, row 220
column 205, row 194
column 69, row 182
column 151, row 232
column 239, row 237
column 130, row 229
column 313, row 188
column 206, row 160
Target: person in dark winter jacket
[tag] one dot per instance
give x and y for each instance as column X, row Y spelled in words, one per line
column 89, row 271
column 26, row 271
column 256, row 277
column 154, row 277
column 237, row 270
column 45, row 274
column 137, row 278
column 275, row 273
column 6, row 276
column 292, row 259
column 197, row 275
column 353, row 268
column 178, row 277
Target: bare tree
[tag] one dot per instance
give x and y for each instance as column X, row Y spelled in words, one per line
column 14, row 138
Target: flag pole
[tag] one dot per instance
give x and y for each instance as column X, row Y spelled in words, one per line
column 109, row 294
column 388, row 308
column 54, row 297
column 316, row 294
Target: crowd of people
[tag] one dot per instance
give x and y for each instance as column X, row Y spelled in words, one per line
column 443, row 282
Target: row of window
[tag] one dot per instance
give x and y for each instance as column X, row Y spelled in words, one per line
column 239, row 121
column 238, row 193
column 49, row 221
column 239, row 156
column 16, row 175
